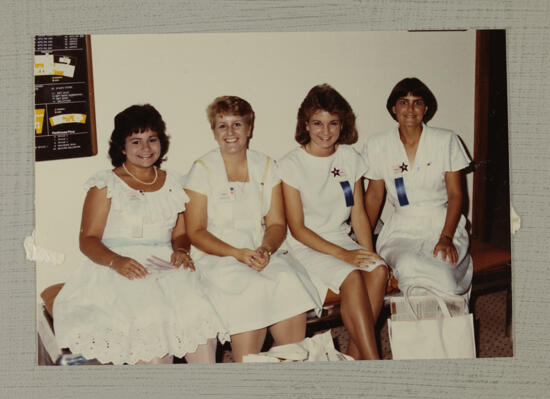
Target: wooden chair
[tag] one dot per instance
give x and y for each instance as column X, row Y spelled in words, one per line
column 48, row 350
column 492, row 272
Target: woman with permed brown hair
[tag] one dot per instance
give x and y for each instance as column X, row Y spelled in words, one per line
column 236, row 222
column 322, row 186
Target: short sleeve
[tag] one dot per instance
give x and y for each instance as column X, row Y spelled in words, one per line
column 177, row 195
column 272, row 178
column 198, row 178
column 458, row 159
column 360, row 166
column 286, row 171
column 372, row 163
column 104, row 178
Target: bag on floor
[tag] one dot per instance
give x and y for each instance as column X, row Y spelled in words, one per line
column 435, row 334
column 319, row 348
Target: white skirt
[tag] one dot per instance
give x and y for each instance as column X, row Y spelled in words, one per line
column 248, row 300
column 101, row 314
column 327, row 272
column 407, row 241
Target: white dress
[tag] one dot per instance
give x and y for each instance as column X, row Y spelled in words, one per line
column 419, row 196
column 246, row 299
column 104, row 315
column 326, row 186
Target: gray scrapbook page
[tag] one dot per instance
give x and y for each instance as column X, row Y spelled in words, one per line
column 371, row 50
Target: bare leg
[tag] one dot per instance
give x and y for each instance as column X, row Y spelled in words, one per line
column 246, row 343
column 289, row 331
column 357, row 316
column 205, row 353
column 352, row 350
column 168, row 359
column 375, row 283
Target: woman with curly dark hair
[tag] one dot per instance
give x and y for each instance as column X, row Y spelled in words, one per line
column 132, row 301
column 322, row 186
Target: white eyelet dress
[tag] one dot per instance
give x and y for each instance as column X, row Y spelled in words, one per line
column 102, row 314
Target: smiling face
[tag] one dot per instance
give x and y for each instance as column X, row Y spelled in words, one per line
column 324, row 129
column 142, row 149
column 409, row 110
column 231, row 132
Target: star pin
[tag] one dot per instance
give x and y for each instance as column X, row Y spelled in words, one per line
column 335, row 172
column 404, row 167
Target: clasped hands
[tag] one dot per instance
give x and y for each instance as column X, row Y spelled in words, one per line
column 132, row 269
column 257, row 259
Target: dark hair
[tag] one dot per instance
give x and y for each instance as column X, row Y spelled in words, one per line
column 232, row 105
column 137, row 119
column 324, row 97
column 416, row 88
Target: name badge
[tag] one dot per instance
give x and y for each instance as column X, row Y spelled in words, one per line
column 224, row 196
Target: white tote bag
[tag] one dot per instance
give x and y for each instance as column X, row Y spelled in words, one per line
column 441, row 337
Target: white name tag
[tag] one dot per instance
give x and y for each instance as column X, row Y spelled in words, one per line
column 224, row 196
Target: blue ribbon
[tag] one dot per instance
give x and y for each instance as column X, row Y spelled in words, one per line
column 348, row 192
column 401, row 193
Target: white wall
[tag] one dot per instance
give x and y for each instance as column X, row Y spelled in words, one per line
column 180, row 74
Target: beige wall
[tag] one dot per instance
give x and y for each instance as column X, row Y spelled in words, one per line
column 180, row 74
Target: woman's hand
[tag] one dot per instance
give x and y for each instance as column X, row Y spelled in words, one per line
column 181, row 256
column 247, row 256
column 360, row 257
column 260, row 259
column 447, row 249
column 128, row 267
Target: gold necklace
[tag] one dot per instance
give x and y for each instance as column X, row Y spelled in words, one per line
column 142, row 182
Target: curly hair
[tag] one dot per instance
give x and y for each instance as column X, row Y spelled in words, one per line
column 418, row 89
column 232, row 105
column 325, row 98
column 137, row 119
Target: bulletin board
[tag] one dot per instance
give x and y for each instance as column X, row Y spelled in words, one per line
column 64, row 119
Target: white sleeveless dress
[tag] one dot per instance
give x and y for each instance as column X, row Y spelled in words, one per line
column 245, row 298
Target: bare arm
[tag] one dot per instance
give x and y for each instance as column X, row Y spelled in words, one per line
column 373, row 200
column 295, row 217
column 454, row 207
column 275, row 221
column 181, row 245
column 196, row 221
column 196, row 218
column 275, row 230
column 94, row 218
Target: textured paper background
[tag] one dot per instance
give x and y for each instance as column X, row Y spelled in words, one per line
column 525, row 375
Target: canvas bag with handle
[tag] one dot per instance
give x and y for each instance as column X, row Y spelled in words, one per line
column 445, row 337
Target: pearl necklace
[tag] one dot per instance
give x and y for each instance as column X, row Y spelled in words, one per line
column 142, row 182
